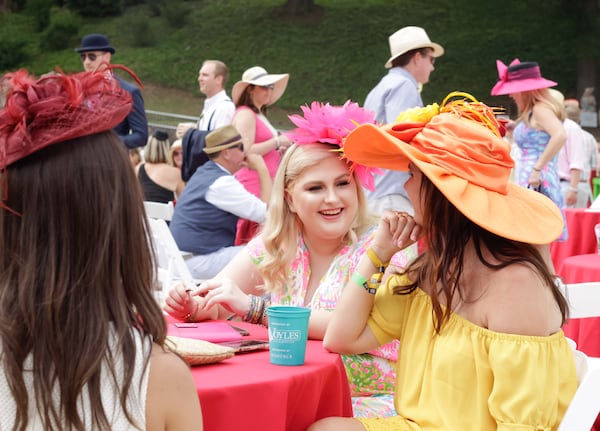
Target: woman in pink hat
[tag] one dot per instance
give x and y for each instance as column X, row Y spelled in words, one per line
column 539, row 132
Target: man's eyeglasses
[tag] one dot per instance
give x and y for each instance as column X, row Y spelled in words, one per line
column 92, row 56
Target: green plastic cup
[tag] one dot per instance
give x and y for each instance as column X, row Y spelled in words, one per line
column 288, row 334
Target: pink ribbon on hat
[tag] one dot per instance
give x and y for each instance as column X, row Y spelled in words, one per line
column 503, row 69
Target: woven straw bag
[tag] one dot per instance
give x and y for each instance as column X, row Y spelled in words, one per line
column 198, row 352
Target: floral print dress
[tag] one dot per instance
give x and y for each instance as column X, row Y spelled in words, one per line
column 371, row 375
column 532, row 143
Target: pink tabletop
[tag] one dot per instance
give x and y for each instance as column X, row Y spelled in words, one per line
column 585, row 332
column 246, row 392
column 581, row 240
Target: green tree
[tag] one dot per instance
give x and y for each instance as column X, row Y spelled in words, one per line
column 95, row 8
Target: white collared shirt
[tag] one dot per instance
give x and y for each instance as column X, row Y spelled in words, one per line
column 218, row 111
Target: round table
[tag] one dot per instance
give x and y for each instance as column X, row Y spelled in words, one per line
column 581, row 239
column 246, row 392
column 585, row 332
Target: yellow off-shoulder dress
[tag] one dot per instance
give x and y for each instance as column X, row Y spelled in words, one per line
column 469, row 378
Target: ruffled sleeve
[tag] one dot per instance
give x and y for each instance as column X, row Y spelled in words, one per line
column 533, row 381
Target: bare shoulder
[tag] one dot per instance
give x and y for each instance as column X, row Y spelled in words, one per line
column 172, row 400
column 519, row 302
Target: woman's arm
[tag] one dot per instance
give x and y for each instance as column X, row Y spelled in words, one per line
column 545, row 119
column 244, row 121
column 172, row 400
column 348, row 331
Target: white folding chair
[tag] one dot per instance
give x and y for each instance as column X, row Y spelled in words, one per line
column 584, row 301
column 159, row 210
column 171, row 264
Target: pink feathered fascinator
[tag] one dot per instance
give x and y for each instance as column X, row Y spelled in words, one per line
column 329, row 124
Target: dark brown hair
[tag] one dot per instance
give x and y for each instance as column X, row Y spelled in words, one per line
column 404, row 59
column 75, row 270
column 447, row 231
column 245, row 99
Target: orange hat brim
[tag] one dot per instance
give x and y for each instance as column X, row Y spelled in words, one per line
column 518, row 214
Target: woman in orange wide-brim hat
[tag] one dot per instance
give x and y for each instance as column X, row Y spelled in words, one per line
column 478, row 313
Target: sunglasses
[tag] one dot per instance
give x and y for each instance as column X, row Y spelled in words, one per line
column 240, row 147
column 177, row 153
column 269, row 87
column 431, row 57
column 92, row 56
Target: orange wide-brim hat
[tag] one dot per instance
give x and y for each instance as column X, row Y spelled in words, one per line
column 470, row 165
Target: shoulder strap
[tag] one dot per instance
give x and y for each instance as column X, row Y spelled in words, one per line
column 215, row 110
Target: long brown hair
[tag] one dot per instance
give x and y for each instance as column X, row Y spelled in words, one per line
column 75, row 267
column 447, row 232
column 245, row 99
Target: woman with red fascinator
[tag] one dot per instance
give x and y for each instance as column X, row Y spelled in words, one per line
column 82, row 337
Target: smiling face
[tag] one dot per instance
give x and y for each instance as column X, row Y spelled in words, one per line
column 325, row 199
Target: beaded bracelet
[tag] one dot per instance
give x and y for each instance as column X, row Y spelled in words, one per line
column 264, row 320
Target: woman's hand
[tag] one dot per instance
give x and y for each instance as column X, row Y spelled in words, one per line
column 534, row 179
column 226, row 293
column 183, row 306
column 396, row 230
column 284, row 143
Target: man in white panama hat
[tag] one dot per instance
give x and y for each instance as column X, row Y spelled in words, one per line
column 411, row 62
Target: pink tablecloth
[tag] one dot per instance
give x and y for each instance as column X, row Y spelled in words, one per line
column 581, row 240
column 246, row 392
column 585, row 332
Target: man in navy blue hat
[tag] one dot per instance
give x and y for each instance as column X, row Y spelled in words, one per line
column 95, row 52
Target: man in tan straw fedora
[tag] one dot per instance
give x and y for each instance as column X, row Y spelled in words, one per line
column 412, row 58
column 206, row 214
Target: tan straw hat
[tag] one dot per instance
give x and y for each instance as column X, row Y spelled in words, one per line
column 222, row 138
column 258, row 76
column 408, row 38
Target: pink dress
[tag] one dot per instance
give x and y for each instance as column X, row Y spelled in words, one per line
column 249, row 178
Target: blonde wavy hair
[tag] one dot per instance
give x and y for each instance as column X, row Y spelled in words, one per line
column 543, row 96
column 282, row 226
